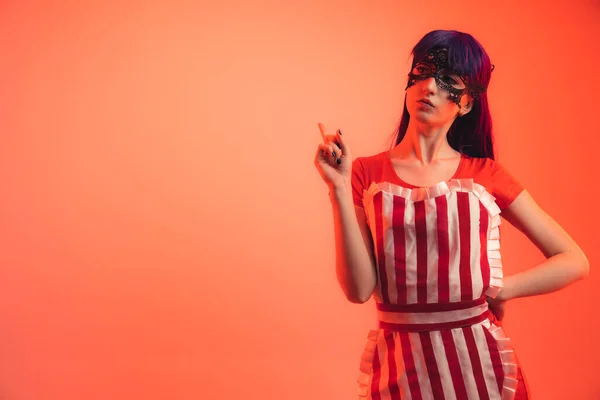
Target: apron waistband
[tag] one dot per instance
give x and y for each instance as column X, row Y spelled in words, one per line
column 431, row 317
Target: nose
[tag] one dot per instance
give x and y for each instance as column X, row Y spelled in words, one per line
column 429, row 85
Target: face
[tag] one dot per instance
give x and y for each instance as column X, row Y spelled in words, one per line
column 431, row 80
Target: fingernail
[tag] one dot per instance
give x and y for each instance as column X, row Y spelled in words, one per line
column 340, row 131
column 339, row 160
column 333, row 153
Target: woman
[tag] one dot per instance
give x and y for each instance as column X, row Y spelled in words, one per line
column 416, row 227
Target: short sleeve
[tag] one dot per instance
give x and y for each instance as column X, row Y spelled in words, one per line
column 358, row 182
column 505, row 187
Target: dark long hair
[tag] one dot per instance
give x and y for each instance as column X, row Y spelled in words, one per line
column 470, row 134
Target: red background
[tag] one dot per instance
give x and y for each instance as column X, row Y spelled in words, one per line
column 165, row 234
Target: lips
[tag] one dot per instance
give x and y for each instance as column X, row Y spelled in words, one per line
column 425, row 101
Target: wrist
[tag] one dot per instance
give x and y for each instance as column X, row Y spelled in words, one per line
column 340, row 191
column 505, row 292
column 341, row 187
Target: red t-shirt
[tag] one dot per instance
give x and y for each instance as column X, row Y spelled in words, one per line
column 484, row 171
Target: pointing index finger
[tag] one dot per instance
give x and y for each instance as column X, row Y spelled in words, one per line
column 322, row 129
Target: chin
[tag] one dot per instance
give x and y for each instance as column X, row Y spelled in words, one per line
column 422, row 117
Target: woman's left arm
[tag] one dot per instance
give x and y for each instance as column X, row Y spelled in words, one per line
column 565, row 262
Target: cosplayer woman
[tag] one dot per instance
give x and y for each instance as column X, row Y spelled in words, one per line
column 417, row 229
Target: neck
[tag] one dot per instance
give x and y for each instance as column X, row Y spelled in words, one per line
column 425, row 144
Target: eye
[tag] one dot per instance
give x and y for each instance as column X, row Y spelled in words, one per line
column 422, row 69
column 449, row 79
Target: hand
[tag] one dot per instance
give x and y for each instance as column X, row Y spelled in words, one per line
column 333, row 159
column 496, row 307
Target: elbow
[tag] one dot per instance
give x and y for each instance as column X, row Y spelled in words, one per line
column 580, row 264
column 585, row 267
column 358, row 300
column 358, row 297
column 357, row 290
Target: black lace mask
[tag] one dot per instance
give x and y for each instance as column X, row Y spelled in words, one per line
column 435, row 64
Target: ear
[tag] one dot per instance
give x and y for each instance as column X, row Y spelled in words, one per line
column 467, row 105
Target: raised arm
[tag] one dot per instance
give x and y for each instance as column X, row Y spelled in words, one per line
column 355, row 266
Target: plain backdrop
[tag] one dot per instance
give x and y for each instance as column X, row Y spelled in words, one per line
column 165, row 233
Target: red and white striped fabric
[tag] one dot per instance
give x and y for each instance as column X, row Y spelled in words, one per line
column 438, row 257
